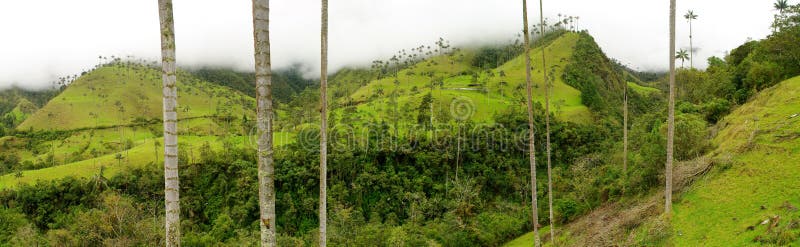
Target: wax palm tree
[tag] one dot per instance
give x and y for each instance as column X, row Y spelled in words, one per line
column 671, row 118
column 682, row 55
column 531, row 138
column 266, row 168
column 781, row 6
column 547, row 132
column 690, row 16
column 170, row 98
column 323, row 141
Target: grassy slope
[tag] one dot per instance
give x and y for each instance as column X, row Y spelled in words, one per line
column 718, row 210
column 566, row 100
column 503, row 91
column 643, row 90
column 137, row 91
column 527, row 239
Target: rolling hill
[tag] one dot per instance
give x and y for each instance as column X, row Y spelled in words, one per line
column 120, row 94
column 110, row 118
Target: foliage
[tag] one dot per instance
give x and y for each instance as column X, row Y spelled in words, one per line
column 491, row 57
column 10, row 221
column 757, row 65
column 285, row 82
column 383, row 195
column 591, row 72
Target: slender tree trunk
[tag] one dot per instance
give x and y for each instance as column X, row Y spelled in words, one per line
column 266, row 167
column 458, row 147
column 323, row 141
column 531, row 130
column 547, row 126
column 671, row 118
column 691, row 47
column 170, row 107
column 431, row 106
column 625, row 132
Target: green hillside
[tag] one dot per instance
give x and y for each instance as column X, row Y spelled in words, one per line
column 483, row 92
column 760, row 145
column 119, row 94
column 110, row 117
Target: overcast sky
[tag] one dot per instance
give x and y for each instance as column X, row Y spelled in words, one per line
column 41, row 40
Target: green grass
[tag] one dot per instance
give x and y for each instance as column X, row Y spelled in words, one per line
column 642, row 89
column 718, row 210
column 544, row 233
column 565, row 100
column 525, row 240
column 114, row 95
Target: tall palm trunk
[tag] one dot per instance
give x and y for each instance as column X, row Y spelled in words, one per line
column 531, row 140
column 431, row 106
column 625, row 132
column 266, row 168
column 170, row 107
column 671, row 119
column 691, row 47
column 323, row 130
column 547, row 130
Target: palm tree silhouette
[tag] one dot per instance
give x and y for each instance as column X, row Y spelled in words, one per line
column 781, row 6
column 691, row 16
column 682, row 55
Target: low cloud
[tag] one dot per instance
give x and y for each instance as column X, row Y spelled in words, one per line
column 42, row 43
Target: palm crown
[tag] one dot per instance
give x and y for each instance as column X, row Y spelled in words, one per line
column 781, row 5
column 691, row 16
column 682, row 55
